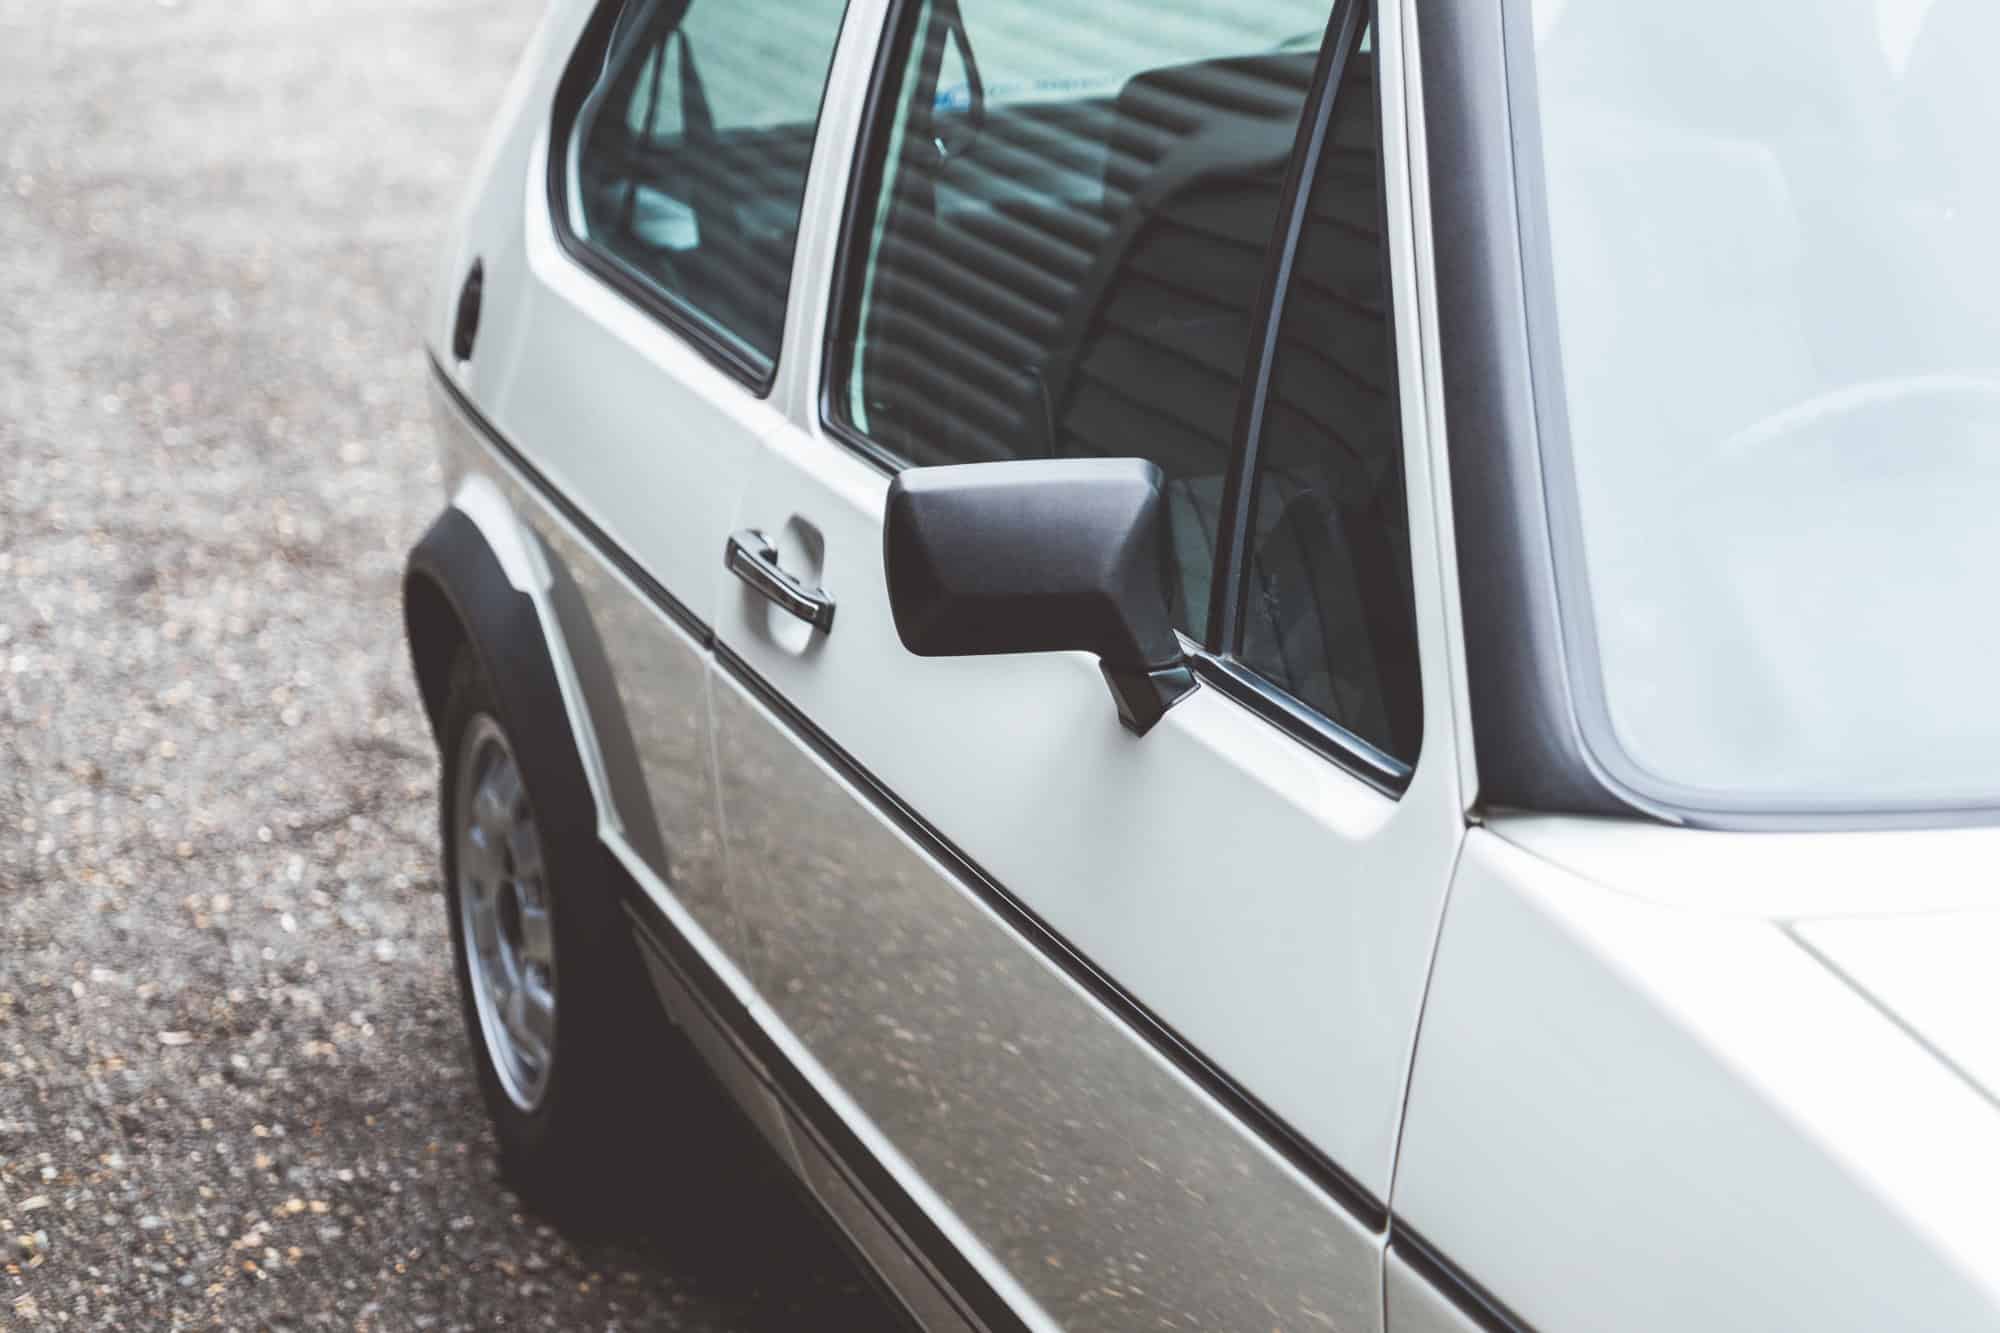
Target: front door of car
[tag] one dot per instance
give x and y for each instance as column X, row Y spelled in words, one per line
column 1124, row 1020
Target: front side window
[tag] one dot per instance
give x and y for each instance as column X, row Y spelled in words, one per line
column 1069, row 264
column 1776, row 297
column 689, row 156
column 1065, row 248
column 1327, row 610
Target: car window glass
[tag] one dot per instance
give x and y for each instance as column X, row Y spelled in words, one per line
column 1770, row 353
column 1064, row 235
column 690, row 155
column 1099, row 47
column 653, row 112
column 1327, row 609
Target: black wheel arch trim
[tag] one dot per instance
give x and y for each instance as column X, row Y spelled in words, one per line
column 499, row 625
column 454, row 566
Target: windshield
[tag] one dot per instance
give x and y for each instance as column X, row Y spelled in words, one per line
column 1774, row 246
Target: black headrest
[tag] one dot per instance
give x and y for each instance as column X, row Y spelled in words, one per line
column 1161, row 108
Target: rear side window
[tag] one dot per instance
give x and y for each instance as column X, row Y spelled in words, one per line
column 688, row 158
column 1065, row 244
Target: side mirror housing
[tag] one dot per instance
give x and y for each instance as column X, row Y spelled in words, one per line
column 1037, row 556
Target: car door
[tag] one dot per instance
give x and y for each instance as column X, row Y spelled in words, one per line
column 635, row 258
column 1127, row 1019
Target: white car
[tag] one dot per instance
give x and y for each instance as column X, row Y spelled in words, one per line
column 1276, row 664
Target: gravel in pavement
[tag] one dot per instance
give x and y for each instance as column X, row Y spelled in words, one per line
column 234, row 1088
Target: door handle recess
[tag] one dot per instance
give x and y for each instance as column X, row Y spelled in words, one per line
column 750, row 556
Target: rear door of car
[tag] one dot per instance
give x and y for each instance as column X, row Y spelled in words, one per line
column 1110, row 1030
column 637, row 264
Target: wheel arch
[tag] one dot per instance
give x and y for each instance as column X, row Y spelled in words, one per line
column 436, row 635
column 477, row 582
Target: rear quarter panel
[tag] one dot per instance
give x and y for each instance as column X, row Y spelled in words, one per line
column 489, row 209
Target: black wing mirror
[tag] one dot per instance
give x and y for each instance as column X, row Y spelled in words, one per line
column 1040, row 556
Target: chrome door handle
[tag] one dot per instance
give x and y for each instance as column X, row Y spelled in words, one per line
column 750, row 556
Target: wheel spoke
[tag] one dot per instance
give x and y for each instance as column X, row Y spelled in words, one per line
column 499, row 797
column 485, row 921
column 530, row 1013
column 524, row 847
column 504, row 913
column 489, row 810
column 509, row 780
column 480, row 860
column 538, row 944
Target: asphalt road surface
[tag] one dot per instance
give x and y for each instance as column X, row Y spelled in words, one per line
column 234, row 1090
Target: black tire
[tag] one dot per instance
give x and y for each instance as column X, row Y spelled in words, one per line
column 579, row 1142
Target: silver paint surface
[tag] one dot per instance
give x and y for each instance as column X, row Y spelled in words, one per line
column 648, row 709
column 646, row 706
column 1116, row 1193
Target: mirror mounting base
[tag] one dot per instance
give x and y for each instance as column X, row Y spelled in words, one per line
column 1145, row 696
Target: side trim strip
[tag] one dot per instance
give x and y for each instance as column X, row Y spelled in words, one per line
column 707, row 992
column 1307, row 1159
column 857, row 220
column 1377, row 768
column 1474, row 1301
column 598, row 538
column 837, row 1143
column 1325, row 1173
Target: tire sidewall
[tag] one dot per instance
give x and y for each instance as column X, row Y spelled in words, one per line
column 543, row 1145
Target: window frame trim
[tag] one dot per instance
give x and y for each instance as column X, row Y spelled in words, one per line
column 583, row 74
column 859, row 202
column 1217, row 661
column 1214, row 666
column 1298, row 719
column 1230, row 574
